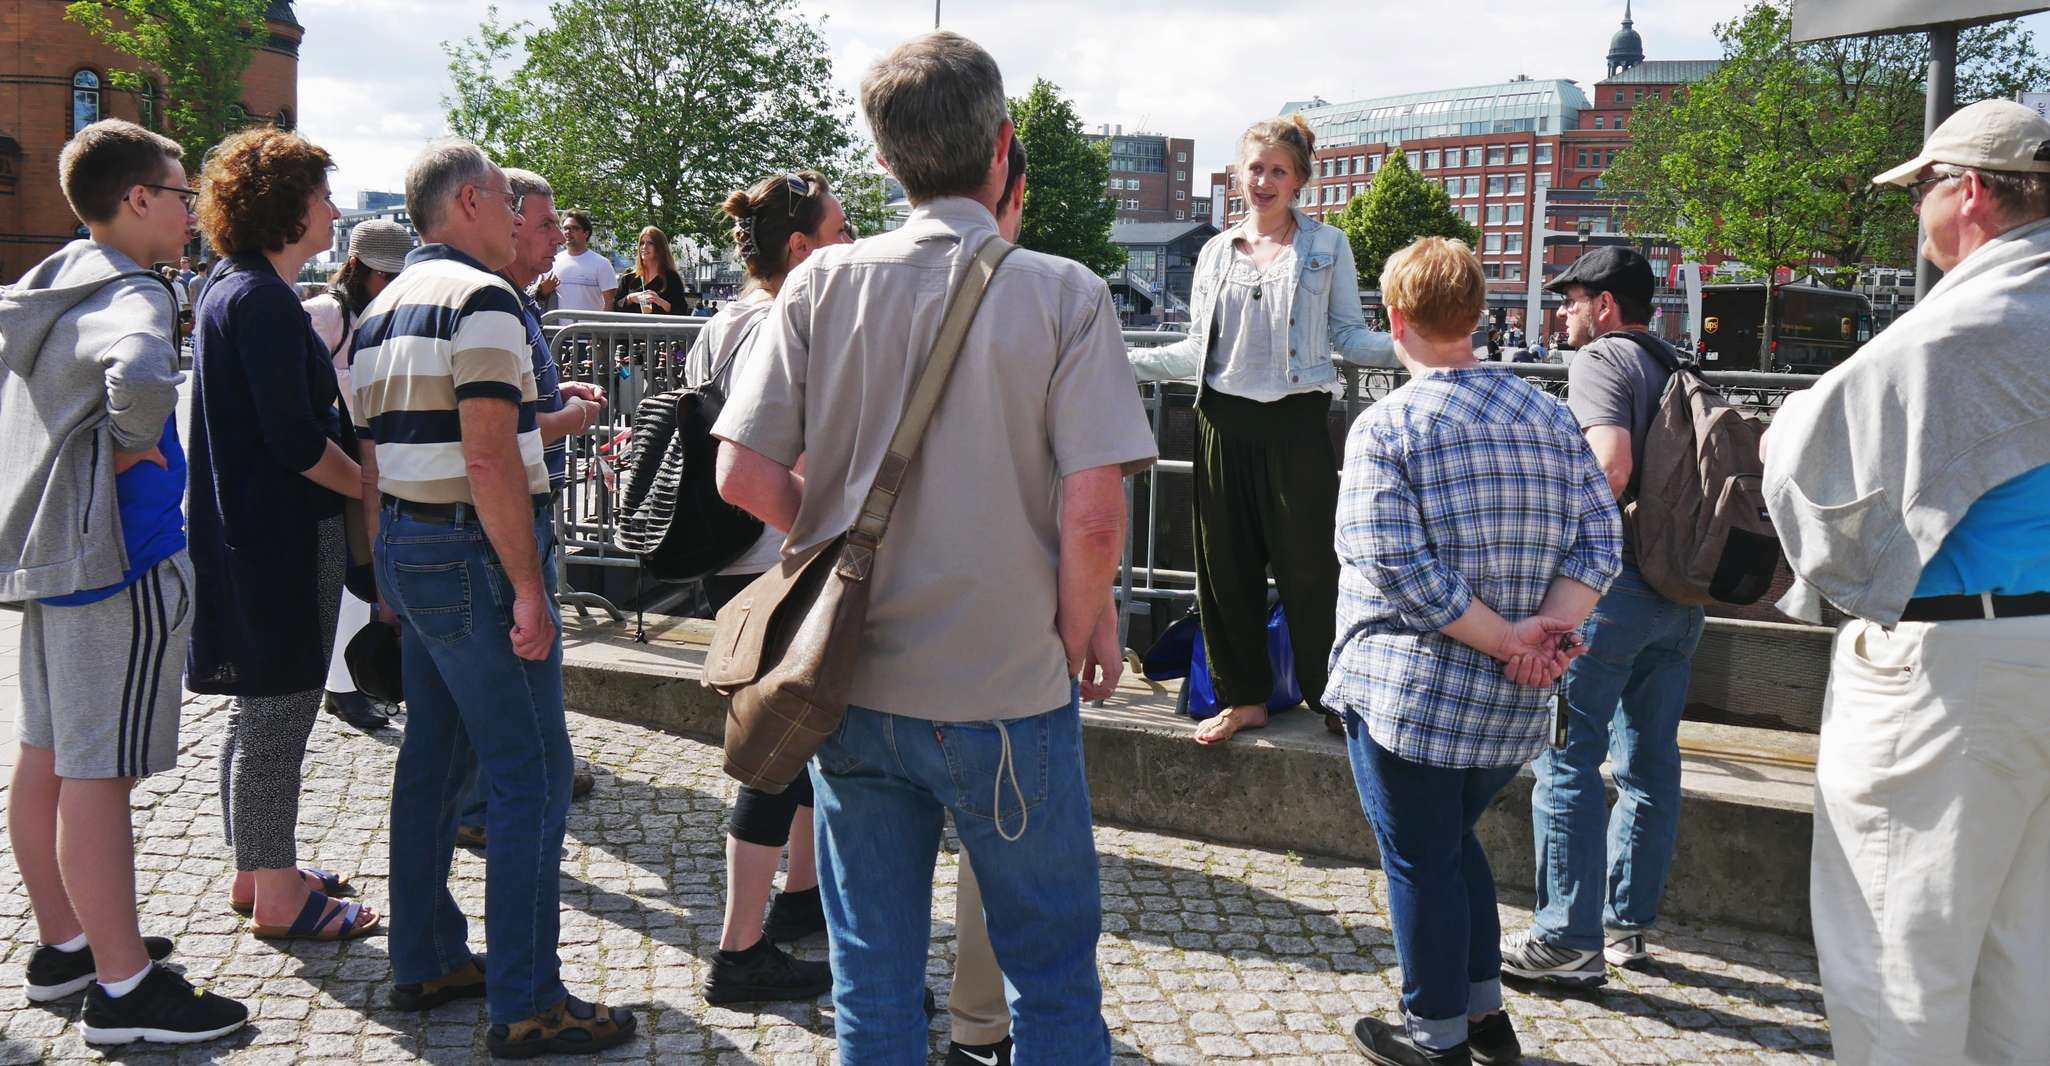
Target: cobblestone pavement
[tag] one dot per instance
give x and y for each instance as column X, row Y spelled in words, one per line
column 1210, row 953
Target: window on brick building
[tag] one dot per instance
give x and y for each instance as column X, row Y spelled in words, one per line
column 1473, row 157
column 1493, row 271
column 1497, row 184
column 1599, row 122
column 1512, row 242
column 1637, row 96
column 148, row 101
column 85, row 100
column 1619, row 121
column 1544, row 180
column 1516, row 214
column 1473, row 186
column 1431, row 159
column 1516, row 185
column 1181, row 194
column 1582, row 159
column 1472, row 214
column 1496, row 155
column 1519, row 154
column 1544, row 153
column 1181, row 157
column 1619, row 96
column 1512, row 271
column 1494, row 214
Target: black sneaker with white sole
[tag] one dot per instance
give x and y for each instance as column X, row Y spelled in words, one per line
column 997, row 1054
column 54, row 974
column 164, row 1009
column 1524, row 955
column 1388, row 1045
column 1626, row 949
column 764, row 974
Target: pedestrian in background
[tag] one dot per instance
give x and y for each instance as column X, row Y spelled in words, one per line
column 271, row 471
column 653, row 287
column 1452, row 605
column 1274, row 298
column 580, row 279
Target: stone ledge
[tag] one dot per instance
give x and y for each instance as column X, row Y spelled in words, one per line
column 1745, row 831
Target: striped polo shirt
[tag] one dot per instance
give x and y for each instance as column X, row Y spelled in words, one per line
column 444, row 330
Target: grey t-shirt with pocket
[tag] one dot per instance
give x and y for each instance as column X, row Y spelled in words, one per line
column 1613, row 381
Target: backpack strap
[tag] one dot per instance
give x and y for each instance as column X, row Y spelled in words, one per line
column 1654, row 346
column 874, row 517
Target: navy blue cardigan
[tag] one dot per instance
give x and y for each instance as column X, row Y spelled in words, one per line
column 263, row 410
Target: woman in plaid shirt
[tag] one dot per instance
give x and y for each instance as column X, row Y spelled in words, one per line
column 1475, row 533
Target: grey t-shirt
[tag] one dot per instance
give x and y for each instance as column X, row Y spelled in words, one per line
column 1615, row 382
column 961, row 615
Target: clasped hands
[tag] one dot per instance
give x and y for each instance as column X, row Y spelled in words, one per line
column 1536, row 651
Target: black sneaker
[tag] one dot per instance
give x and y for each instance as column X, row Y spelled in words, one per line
column 54, row 974
column 1388, row 1046
column 163, row 1009
column 1492, row 1040
column 997, row 1054
column 356, row 709
column 794, row 916
column 763, row 974
column 1524, row 955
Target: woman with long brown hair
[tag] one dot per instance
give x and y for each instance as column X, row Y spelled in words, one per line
column 652, row 287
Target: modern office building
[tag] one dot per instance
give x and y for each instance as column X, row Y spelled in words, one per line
column 1150, row 176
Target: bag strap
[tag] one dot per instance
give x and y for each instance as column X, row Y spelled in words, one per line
column 874, row 518
column 1653, row 346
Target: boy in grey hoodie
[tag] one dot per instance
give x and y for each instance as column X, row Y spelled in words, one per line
column 92, row 544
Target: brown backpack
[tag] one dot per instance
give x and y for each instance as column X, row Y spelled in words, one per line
column 1695, row 513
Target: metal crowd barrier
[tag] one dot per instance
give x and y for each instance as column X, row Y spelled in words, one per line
column 633, row 355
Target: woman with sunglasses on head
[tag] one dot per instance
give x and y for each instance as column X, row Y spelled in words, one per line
column 270, row 473
column 377, row 252
column 1274, row 298
column 653, row 286
column 777, row 223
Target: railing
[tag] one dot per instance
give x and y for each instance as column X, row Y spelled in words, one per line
column 1142, row 584
column 633, row 355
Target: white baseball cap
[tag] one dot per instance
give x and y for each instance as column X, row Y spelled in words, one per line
column 1988, row 135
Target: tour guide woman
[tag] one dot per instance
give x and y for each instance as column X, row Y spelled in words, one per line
column 1274, row 298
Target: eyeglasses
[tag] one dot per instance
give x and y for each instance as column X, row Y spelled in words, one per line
column 190, row 196
column 1919, row 190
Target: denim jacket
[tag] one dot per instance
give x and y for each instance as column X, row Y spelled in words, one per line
column 1324, row 317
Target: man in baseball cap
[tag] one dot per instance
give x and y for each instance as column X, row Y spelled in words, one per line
column 1911, row 488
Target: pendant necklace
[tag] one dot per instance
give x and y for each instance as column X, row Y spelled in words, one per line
column 1259, row 285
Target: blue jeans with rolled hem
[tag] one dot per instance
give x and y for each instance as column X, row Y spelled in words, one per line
column 466, row 691
column 1441, row 891
column 1020, row 802
column 1624, row 699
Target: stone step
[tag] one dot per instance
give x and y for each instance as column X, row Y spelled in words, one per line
column 1745, row 822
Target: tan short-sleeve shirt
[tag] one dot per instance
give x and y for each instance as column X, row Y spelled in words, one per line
column 961, row 619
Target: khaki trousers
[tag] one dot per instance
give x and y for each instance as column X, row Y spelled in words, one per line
column 976, row 1001
column 1931, row 869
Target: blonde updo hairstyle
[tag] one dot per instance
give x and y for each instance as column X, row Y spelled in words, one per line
column 1291, row 135
column 765, row 215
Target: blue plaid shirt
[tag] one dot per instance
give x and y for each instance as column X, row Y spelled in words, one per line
column 1462, row 484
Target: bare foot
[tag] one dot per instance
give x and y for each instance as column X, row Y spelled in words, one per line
column 1226, row 723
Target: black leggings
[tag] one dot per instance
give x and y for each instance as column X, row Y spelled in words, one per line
column 758, row 817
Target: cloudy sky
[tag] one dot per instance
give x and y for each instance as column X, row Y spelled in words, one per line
column 372, row 74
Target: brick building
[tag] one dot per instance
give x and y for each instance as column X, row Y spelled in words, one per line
column 56, row 77
column 1492, row 147
column 1150, row 177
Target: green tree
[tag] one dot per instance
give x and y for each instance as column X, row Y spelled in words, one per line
column 200, row 47
column 1066, row 212
column 1770, row 159
column 648, row 112
column 1399, row 207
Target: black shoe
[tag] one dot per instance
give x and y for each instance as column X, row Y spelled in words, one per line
column 997, row 1054
column 356, row 709
column 1492, row 1040
column 163, row 1009
column 463, row 982
column 54, row 974
column 1388, row 1046
column 763, row 974
column 794, row 916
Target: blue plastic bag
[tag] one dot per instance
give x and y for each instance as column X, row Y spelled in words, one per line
column 1179, row 653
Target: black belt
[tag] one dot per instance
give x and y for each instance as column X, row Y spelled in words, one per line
column 452, row 513
column 1975, row 608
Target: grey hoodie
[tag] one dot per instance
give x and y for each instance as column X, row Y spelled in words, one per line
column 87, row 368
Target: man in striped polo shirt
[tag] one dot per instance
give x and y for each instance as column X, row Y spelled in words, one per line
column 452, row 463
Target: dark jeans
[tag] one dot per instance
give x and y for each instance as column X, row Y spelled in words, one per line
column 465, row 690
column 1266, row 497
column 1441, row 892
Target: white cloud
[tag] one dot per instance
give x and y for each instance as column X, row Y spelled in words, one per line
column 372, row 72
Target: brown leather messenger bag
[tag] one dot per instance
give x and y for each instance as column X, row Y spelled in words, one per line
column 784, row 649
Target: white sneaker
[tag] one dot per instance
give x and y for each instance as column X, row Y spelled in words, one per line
column 1625, row 948
column 1524, row 955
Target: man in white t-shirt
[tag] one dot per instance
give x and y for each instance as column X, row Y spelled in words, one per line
column 582, row 280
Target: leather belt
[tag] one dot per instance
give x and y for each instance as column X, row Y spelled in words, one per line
column 1979, row 608
column 451, row 513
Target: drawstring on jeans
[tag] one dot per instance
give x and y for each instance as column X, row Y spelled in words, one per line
column 1008, row 766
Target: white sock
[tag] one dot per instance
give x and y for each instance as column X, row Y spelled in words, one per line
column 76, row 943
column 122, row 988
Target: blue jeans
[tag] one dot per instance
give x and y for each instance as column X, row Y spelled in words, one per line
column 884, row 784
column 1441, row 891
column 1624, row 701
column 466, row 691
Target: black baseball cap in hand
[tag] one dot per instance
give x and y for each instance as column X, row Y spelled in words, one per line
column 1609, row 269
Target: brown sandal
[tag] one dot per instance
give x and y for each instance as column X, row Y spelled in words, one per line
column 317, row 921
column 571, row 1027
